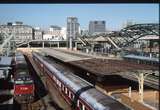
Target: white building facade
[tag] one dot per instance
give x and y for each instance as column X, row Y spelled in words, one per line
column 20, row 31
column 38, row 34
column 55, row 33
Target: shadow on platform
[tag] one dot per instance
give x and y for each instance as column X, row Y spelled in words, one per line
column 52, row 103
column 40, row 90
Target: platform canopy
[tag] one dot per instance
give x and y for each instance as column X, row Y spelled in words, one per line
column 5, row 61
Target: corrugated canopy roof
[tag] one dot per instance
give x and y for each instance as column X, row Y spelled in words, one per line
column 110, row 66
column 100, row 38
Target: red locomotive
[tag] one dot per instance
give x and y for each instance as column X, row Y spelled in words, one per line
column 23, row 82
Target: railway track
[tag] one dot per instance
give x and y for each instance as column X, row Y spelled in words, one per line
column 57, row 101
column 40, row 90
column 26, row 107
column 50, row 61
column 40, row 102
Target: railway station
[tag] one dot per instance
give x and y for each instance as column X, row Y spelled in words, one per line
column 129, row 82
column 95, row 70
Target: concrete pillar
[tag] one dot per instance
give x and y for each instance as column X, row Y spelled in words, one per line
column 150, row 55
column 141, row 85
column 92, row 46
column 50, row 44
column 75, row 45
column 130, row 91
column 28, row 45
column 87, row 50
column 70, row 43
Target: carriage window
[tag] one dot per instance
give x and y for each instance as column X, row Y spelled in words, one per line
column 62, row 87
column 72, row 96
column 85, row 108
column 57, row 81
column 80, row 105
column 59, row 84
column 68, row 92
column 54, row 78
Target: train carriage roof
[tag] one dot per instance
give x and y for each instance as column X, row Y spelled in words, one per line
column 92, row 96
column 71, row 80
column 100, row 101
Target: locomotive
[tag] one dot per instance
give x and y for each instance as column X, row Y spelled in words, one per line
column 23, row 82
column 77, row 92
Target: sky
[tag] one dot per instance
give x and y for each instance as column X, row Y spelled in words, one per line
column 44, row 15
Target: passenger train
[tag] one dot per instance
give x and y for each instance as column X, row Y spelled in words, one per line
column 23, row 82
column 80, row 94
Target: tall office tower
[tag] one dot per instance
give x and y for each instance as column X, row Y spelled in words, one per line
column 72, row 30
column 97, row 27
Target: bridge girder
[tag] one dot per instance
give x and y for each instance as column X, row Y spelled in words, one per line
column 130, row 34
column 137, row 31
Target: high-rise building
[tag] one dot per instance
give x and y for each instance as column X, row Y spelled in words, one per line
column 38, row 34
column 54, row 33
column 97, row 27
column 72, row 30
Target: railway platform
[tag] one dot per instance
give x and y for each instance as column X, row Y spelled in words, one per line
column 103, row 66
column 95, row 63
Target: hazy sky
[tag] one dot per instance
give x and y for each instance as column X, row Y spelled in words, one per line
column 43, row 15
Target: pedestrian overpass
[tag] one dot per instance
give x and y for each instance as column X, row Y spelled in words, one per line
column 128, row 35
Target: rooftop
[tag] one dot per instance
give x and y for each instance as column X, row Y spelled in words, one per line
column 5, row 61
